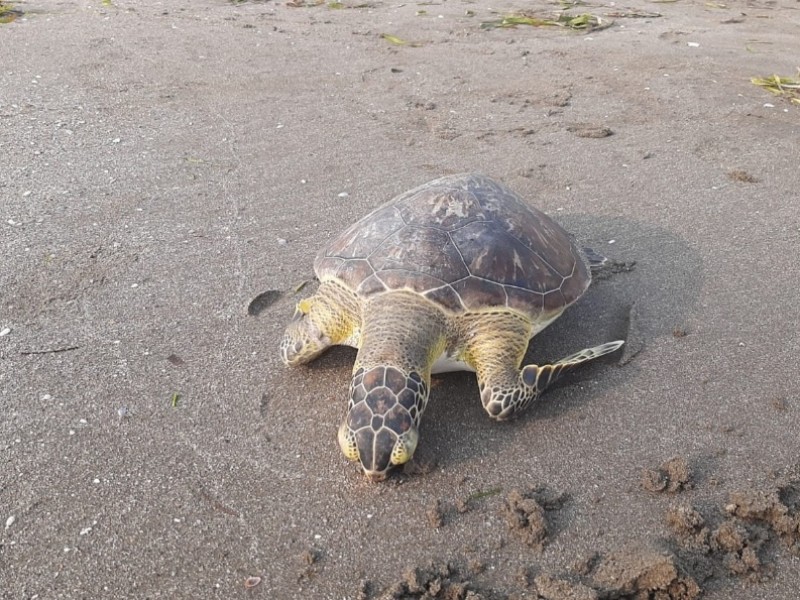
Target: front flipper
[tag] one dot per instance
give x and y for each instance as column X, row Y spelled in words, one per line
column 540, row 377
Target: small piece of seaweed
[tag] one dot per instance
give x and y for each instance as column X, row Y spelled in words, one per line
column 785, row 87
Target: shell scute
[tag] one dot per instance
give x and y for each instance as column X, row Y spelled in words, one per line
column 524, row 300
column 465, row 242
column 554, row 301
column 492, row 254
column 352, row 272
column 358, row 241
column 446, row 297
column 398, row 279
column 381, row 400
column 359, row 416
column 446, row 207
column 573, row 286
column 407, row 398
column 402, row 251
column 398, row 419
column 477, row 293
column 371, row 285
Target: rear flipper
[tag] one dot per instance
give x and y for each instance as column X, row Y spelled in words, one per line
column 540, row 377
column 595, row 260
column 506, row 391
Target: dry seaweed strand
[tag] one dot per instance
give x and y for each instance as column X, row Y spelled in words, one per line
column 397, row 41
column 581, row 22
column 785, row 87
column 8, row 13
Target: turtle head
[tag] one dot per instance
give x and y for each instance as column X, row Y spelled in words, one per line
column 381, row 428
column 304, row 339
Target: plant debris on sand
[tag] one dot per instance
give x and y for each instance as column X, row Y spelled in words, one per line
column 584, row 22
column 8, row 13
column 785, row 87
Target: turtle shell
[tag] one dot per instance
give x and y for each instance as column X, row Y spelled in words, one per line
column 465, row 242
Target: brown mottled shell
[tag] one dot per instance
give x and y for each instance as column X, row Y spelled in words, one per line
column 465, row 242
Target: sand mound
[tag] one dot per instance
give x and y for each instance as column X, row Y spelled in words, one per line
column 436, row 580
column 672, row 476
column 525, row 513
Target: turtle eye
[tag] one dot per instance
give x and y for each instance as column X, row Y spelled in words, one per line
column 347, row 442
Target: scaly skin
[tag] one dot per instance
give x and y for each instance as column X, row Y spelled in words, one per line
column 494, row 345
column 400, row 334
column 402, row 337
column 330, row 317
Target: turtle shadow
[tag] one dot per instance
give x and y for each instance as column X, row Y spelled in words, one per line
column 336, row 358
column 648, row 289
column 638, row 304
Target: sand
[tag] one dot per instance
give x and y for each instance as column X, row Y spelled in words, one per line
column 165, row 164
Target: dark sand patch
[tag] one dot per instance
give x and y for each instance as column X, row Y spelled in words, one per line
column 435, row 514
column 590, row 130
column 742, row 176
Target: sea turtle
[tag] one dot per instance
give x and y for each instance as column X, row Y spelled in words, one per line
column 456, row 274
